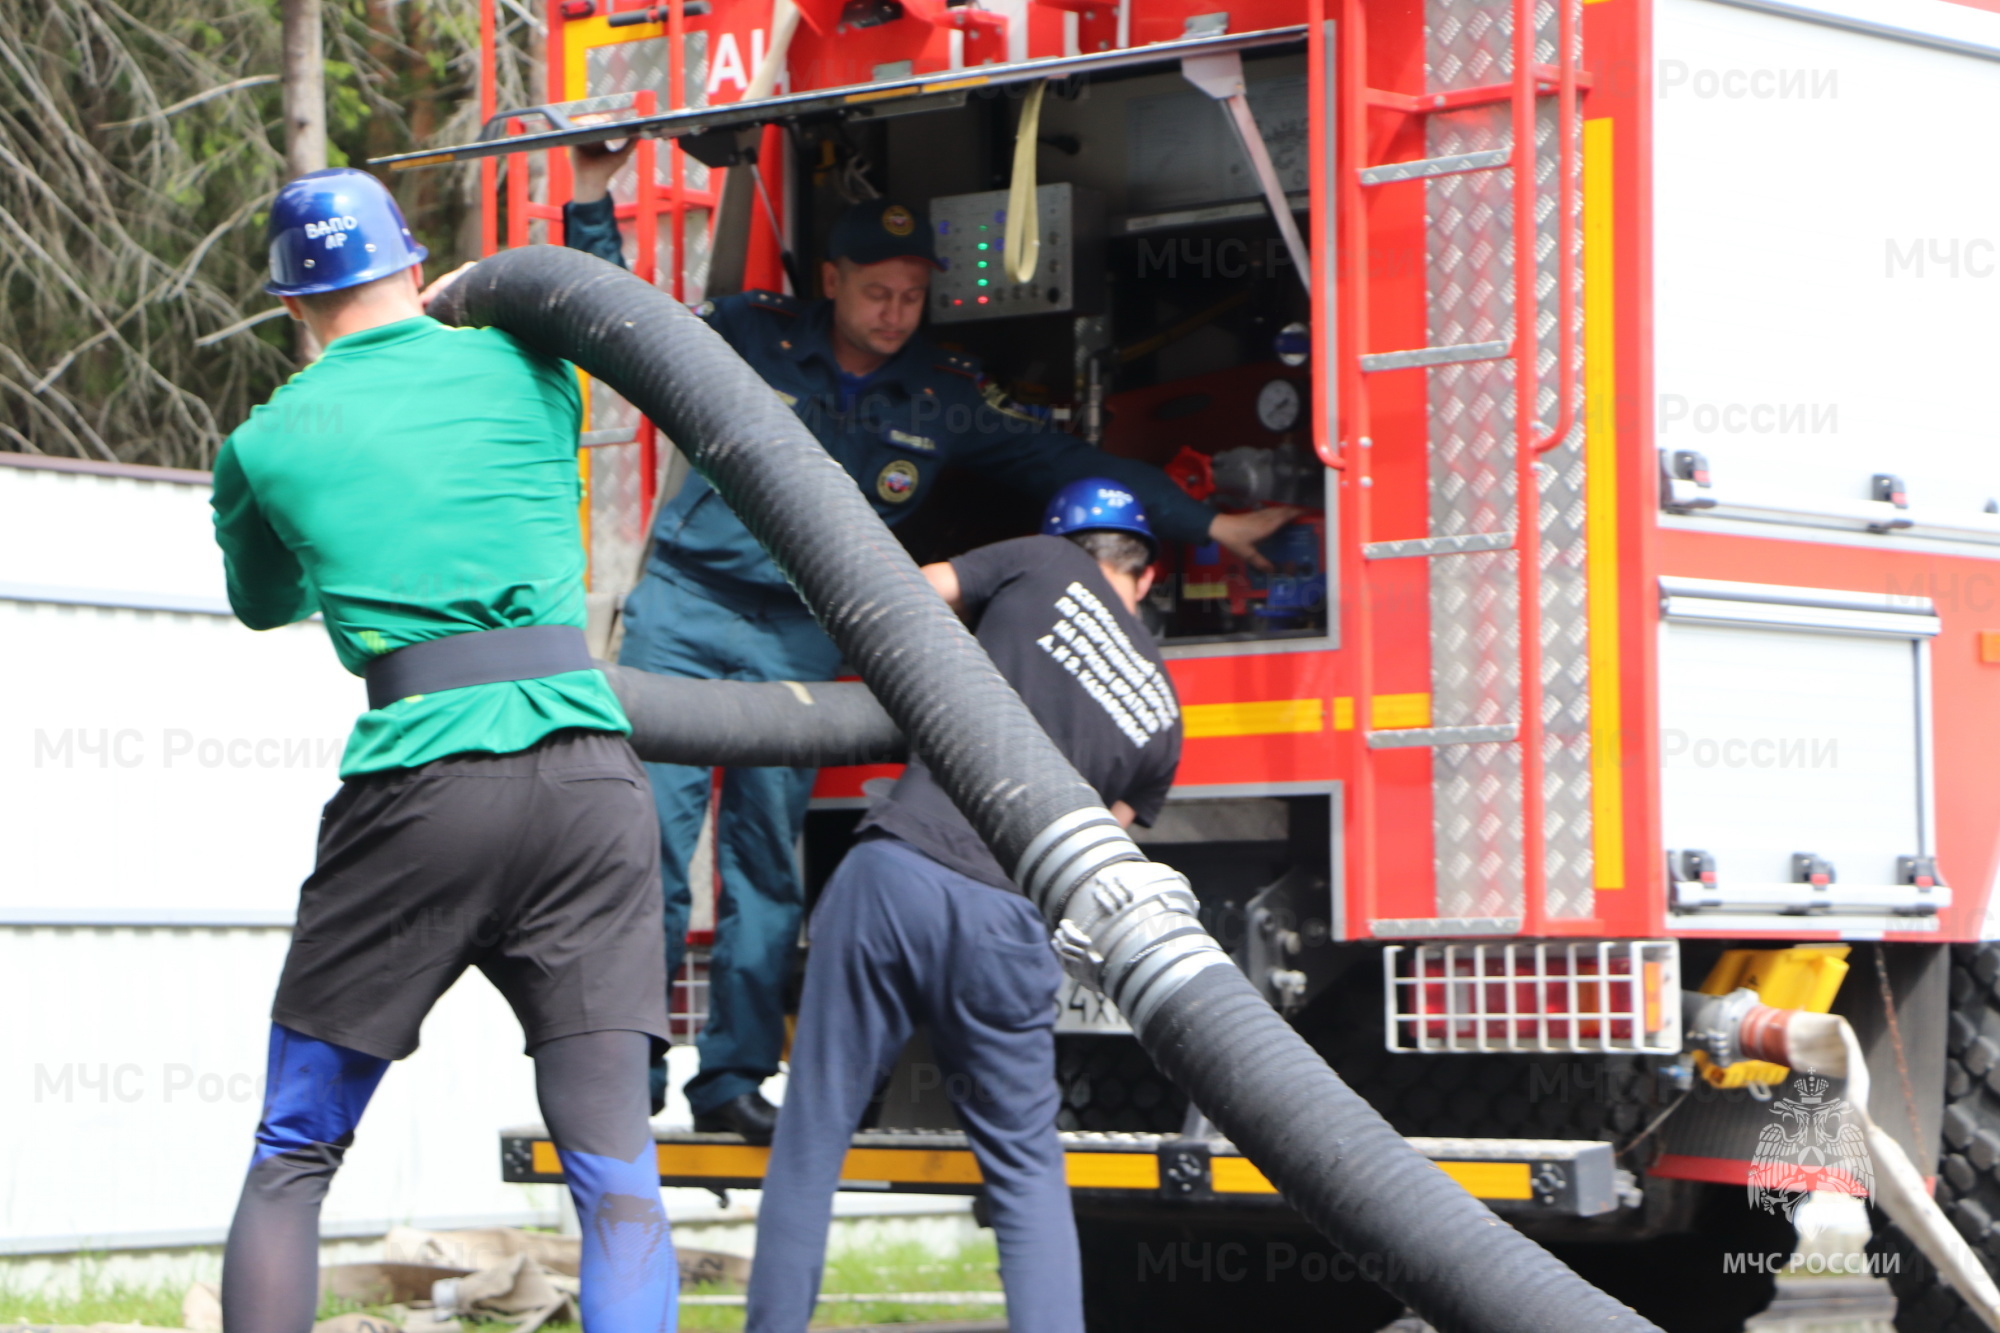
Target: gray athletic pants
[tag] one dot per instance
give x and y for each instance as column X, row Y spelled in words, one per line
column 898, row 940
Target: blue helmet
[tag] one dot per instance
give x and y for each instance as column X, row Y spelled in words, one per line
column 334, row 229
column 1095, row 504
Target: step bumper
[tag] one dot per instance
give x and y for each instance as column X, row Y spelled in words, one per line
column 1569, row 1177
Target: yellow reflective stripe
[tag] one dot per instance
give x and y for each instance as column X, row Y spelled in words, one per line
column 1491, row 1180
column 904, row 1166
column 1265, row 717
column 1113, row 1170
column 721, row 1160
column 1390, row 712
column 1600, row 490
column 1237, row 1175
column 899, row 1166
column 955, row 1166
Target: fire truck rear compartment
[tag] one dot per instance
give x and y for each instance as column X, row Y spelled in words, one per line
column 1166, row 337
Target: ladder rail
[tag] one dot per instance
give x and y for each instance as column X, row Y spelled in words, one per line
column 1352, row 460
column 1568, row 190
column 1527, row 474
column 1351, row 454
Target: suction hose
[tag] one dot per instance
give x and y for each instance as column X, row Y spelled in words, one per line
column 748, row 724
column 1122, row 924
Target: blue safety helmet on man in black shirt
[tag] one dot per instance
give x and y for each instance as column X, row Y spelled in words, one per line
column 335, row 229
column 1097, row 504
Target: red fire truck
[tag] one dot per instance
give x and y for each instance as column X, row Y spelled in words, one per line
column 1474, row 791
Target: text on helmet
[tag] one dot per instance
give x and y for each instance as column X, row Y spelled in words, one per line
column 330, row 227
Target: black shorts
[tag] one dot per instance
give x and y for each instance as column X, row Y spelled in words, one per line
column 541, row 868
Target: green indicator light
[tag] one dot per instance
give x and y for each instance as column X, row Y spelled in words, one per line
column 984, row 264
column 982, row 282
column 983, row 244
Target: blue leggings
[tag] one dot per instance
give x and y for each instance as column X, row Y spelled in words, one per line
column 592, row 1088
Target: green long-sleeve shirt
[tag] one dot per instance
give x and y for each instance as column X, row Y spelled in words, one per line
column 417, row 482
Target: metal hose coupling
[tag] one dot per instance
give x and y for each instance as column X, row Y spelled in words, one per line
column 1714, row 1024
column 1131, row 933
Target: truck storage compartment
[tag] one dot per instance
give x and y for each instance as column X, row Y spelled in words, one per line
column 1796, row 757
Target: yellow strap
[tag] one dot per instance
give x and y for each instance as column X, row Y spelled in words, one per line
column 1024, row 230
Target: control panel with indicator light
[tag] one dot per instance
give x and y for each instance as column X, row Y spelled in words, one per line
column 972, row 251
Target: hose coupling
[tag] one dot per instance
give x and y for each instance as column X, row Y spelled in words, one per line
column 1132, row 934
column 1714, row 1024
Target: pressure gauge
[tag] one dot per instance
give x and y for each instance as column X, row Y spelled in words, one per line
column 1278, row 406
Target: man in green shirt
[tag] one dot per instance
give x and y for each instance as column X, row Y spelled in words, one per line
column 417, row 487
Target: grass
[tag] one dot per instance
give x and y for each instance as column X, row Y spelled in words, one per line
column 95, row 1301
column 893, row 1267
column 898, row 1266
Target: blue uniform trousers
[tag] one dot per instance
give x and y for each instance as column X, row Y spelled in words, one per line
column 897, row 940
column 677, row 629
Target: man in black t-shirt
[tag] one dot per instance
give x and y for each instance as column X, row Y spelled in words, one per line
column 919, row 924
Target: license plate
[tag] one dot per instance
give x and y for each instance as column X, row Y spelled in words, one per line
column 1081, row 1009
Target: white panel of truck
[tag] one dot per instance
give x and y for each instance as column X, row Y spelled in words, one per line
column 1775, row 742
column 1796, row 757
column 1827, row 231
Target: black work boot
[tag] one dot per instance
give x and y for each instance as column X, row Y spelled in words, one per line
column 656, row 1084
column 749, row 1115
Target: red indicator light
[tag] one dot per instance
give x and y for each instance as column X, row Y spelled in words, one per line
column 578, row 9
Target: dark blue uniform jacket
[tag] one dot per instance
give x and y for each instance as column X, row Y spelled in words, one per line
column 923, row 410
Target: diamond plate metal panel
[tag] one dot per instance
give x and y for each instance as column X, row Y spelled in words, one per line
column 609, row 412
column 617, row 522
column 1566, row 787
column 1475, row 645
column 630, row 67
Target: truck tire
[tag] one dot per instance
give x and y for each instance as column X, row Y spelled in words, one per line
column 1682, row 1281
column 1968, row 1176
column 1679, row 1280
column 1110, row 1085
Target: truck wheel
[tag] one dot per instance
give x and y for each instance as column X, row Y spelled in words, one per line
column 1968, row 1177
column 1684, row 1282
column 1109, row 1084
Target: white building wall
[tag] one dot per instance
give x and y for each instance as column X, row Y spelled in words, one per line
column 161, row 775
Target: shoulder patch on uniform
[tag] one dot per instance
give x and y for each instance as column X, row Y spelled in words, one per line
column 778, row 301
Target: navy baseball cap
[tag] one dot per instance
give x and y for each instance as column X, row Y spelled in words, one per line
column 876, row 229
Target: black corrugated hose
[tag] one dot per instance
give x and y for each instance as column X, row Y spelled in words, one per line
column 1121, row 922
column 748, row 724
